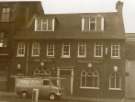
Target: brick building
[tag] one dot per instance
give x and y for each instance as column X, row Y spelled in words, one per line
column 87, row 49
column 130, row 63
column 13, row 16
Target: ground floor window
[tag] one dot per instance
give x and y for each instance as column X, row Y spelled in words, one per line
column 115, row 81
column 89, row 79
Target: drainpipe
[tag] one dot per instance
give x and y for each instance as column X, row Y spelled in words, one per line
column 27, row 60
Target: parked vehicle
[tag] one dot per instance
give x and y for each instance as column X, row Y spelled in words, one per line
column 47, row 87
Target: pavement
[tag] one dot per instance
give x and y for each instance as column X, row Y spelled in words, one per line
column 74, row 98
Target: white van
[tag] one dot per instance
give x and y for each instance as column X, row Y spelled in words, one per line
column 47, row 87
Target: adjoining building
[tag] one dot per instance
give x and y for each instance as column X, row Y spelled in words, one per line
column 87, row 49
column 13, row 16
column 130, row 64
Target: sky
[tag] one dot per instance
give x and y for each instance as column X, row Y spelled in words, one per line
column 89, row 6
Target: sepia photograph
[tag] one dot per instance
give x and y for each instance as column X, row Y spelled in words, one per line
column 67, row 51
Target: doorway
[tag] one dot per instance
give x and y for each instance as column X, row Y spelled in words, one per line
column 67, row 81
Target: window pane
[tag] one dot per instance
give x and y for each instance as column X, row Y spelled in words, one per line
column 118, row 81
column 35, row 49
column 86, row 24
column 98, row 50
column 83, row 81
column 82, row 49
column 112, row 81
column 38, row 25
column 50, row 49
column 44, row 24
column 90, row 79
column 21, row 49
column 115, row 50
column 89, row 82
column 50, row 24
column 115, row 80
column 92, row 23
column 5, row 15
column 66, row 49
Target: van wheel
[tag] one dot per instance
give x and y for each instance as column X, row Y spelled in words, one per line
column 52, row 97
column 24, row 94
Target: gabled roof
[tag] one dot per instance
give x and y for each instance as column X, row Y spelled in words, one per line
column 68, row 26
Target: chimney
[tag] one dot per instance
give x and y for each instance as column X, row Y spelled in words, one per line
column 119, row 6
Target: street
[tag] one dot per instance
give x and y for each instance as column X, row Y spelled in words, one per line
column 6, row 97
column 14, row 98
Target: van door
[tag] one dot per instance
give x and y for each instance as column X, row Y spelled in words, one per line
column 45, row 88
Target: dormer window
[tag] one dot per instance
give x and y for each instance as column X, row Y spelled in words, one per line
column 44, row 24
column 5, row 14
column 92, row 23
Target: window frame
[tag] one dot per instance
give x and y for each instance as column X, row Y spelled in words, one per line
column 69, row 50
column 92, row 22
column 83, row 23
column 3, row 40
column 5, row 14
column 118, row 51
column 86, row 76
column 115, row 82
column 82, row 44
column 52, row 48
column 21, row 46
column 35, row 47
column 96, row 49
column 42, row 22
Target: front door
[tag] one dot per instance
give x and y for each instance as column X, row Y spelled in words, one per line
column 67, row 81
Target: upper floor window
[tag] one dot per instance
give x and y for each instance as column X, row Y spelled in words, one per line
column 3, row 40
column 82, row 49
column 66, row 47
column 50, row 49
column 5, row 14
column 98, row 50
column 90, row 79
column 35, row 49
column 115, row 50
column 115, row 81
column 21, row 49
column 92, row 23
column 44, row 24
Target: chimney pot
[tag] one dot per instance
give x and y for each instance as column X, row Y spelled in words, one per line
column 119, row 6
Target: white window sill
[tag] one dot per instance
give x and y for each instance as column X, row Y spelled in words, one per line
column 98, row 56
column 65, row 57
column 35, row 55
column 20, row 56
column 50, row 56
column 97, row 88
column 44, row 30
column 81, row 56
column 89, row 30
column 117, row 89
column 112, row 57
